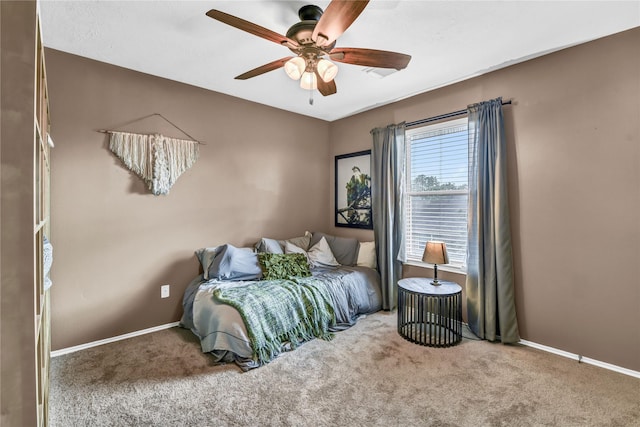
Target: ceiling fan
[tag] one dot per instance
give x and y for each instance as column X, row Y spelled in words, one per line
column 313, row 40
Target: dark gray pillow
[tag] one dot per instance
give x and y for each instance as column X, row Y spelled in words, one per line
column 231, row 263
column 345, row 249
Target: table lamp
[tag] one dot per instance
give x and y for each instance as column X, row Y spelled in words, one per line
column 435, row 253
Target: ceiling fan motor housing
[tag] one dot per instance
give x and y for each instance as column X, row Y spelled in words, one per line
column 310, row 13
column 301, row 31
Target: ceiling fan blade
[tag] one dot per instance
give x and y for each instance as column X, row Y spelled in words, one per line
column 278, row 63
column 337, row 17
column 370, row 57
column 325, row 88
column 252, row 28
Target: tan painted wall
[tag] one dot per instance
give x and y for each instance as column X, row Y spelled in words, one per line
column 263, row 172
column 574, row 186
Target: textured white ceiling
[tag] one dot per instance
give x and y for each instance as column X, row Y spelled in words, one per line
column 448, row 40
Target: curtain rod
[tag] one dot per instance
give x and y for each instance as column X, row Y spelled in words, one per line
column 444, row 116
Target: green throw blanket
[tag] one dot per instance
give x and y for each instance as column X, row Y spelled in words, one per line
column 280, row 311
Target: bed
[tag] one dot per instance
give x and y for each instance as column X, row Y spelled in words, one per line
column 251, row 304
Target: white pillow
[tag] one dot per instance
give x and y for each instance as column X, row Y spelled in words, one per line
column 320, row 254
column 367, row 255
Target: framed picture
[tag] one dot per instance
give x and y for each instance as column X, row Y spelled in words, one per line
column 353, row 190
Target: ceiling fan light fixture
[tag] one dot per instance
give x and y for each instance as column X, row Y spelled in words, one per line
column 295, row 67
column 308, row 81
column 327, row 70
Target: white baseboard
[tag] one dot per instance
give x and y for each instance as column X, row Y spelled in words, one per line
column 112, row 339
column 581, row 359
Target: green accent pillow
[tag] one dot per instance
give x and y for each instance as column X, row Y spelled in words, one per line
column 283, row 266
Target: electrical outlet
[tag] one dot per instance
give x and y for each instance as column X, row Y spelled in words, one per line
column 164, row 291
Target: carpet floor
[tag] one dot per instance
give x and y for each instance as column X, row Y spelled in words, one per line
column 366, row 376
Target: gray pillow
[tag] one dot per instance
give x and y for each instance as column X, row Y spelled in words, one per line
column 301, row 242
column 345, row 249
column 270, row 246
column 273, row 246
column 206, row 256
column 230, row 263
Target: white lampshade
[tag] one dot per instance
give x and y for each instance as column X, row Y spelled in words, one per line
column 295, row 67
column 435, row 253
column 327, row 70
column 308, row 81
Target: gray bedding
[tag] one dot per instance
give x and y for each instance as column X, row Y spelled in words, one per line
column 354, row 291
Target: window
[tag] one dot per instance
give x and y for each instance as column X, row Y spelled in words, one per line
column 437, row 189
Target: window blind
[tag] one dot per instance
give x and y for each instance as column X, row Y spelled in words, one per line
column 437, row 189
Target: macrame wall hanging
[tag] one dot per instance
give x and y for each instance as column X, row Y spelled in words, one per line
column 157, row 159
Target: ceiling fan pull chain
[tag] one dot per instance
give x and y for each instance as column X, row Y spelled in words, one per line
column 311, row 96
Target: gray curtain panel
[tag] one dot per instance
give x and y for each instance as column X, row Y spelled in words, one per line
column 489, row 287
column 388, row 161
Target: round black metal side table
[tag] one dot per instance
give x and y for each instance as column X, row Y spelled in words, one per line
column 430, row 315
